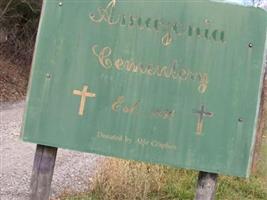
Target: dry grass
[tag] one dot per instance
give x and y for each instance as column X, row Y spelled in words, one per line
column 119, row 179
column 129, row 180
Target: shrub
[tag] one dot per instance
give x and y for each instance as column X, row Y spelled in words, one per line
column 18, row 28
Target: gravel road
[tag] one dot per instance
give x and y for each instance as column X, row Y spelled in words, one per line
column 73, row 170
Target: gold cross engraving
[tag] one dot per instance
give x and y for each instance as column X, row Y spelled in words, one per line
column 84, row 94
column 202, row 113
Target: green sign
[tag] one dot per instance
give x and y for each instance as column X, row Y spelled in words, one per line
column 175, row 82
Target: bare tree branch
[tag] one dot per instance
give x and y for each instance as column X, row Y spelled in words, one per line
column 6, row 8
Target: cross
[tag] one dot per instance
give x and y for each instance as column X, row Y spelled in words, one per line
column 202, row 113
column 84, row 94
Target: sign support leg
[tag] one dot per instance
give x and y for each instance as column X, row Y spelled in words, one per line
column 42, row 173
column 206, row 186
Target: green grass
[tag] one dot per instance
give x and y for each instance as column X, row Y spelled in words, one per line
column 228, row 189
column 181, row 186
column 176, row 184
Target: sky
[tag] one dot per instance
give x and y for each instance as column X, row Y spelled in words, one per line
column 259, row 3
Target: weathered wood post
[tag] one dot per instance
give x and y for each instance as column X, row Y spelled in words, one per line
column 206, row 186
column 42, row 173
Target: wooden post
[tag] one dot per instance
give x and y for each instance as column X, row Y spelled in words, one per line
column 42, row 173
column 206, row 186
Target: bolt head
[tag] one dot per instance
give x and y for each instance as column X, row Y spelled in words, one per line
column 240, row 120
column 48, row 76
column 207, row 21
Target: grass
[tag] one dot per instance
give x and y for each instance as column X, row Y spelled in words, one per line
column 128, row 180
column 180, row 185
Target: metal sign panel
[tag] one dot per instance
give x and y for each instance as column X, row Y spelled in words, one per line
column 173, row 82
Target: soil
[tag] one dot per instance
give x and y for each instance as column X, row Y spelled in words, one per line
column 13, row 81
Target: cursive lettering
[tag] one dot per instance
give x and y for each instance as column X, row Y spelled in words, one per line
column 168, row 30
column 172, row 72
column 119, row 105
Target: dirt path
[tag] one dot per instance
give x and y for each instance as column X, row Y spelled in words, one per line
column 72, row 172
